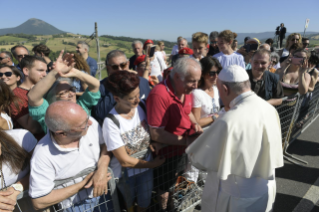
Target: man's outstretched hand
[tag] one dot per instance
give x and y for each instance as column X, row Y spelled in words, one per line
column 64, row 63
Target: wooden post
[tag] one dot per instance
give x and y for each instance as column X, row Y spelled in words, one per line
column 98, row 49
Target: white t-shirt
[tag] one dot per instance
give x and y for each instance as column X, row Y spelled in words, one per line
column 51, row 162
column 158, row 66
column 133, row 134
column 227, row 60
column 6, row 117
column 208, row 104
column 174, row 50
column 27, row 141
column 285, row 53
column 164, row 54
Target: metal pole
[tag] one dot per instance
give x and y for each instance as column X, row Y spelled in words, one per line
column 97, row 48
column 304, row 33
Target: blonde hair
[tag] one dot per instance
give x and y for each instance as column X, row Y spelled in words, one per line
column 160, row 43
column 289, row 38
column 200, row 37
column 227, row 35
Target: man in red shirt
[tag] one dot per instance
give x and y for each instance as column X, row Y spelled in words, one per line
column 34, row 69
column 171, row 122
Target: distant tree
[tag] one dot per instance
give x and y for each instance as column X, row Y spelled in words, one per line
column 3, row 49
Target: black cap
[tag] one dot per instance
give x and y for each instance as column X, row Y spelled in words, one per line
column 247, row 38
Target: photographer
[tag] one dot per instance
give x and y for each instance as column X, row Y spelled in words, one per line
column 282, row 32
column 248, row 50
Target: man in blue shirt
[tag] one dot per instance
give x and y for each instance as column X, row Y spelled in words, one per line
column 83, row 49
column 18, row 53
column 115, row 61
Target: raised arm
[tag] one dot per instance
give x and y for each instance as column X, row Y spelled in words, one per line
column 304, row 78
column 61, row 66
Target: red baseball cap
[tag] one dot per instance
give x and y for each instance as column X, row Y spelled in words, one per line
column 186, row 51
column 139, row 60
column 147, row 42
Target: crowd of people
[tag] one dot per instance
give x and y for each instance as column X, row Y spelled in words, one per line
column 145, row 121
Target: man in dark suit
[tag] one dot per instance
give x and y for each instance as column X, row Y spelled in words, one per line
column 282, row 32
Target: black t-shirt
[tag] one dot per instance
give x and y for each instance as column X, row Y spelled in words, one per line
column 132, row 60
column 212, row 51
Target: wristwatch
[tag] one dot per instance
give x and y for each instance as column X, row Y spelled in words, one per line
column 214, row 118
column 17, row 187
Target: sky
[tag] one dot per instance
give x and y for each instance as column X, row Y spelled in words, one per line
column 165, row 19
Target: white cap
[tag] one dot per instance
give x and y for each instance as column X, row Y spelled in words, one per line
column 233, row 73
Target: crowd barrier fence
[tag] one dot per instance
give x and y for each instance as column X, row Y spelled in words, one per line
column 297, row 113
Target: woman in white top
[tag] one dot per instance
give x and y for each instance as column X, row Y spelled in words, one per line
column 16, row 149
column 125, row 131
column 7, row 98
column 162, row 46
column 158, row 65
column 206, row 97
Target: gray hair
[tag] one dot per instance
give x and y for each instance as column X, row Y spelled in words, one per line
column 8, row 54
column 182, row 40
column 275, row 55
column 237, row 87
column 213, row 35
column 114, row 53
column 137, row 42
column 181, row 66
column 51, row 94
column 56, row 123
column 84, row 45
column 265, row 46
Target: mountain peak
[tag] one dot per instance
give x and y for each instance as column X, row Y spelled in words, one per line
column 33, row 26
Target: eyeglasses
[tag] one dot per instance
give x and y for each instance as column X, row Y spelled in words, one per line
column 1, row 58
column 117, row 67
column 213, row 42
column 64, row 94
column 213, row 73
column 21, row 55
column 8, row 74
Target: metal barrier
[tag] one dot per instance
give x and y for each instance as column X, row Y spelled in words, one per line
column 100, row 67
column 104, row 203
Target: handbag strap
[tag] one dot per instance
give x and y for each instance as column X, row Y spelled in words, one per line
column 3, row 182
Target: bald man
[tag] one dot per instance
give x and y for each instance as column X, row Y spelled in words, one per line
column 74, row 143
column 265, row 46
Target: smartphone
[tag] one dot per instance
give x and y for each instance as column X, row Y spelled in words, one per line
column 152, row 51
column 297, row 61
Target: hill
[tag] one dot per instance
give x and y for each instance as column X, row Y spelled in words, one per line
column 32, row 26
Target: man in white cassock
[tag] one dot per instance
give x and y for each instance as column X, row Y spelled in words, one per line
column 241, row 149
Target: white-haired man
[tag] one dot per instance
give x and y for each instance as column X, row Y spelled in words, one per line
column 83, row 49
column 137, row 47
column 74, row 143
column 241, row 150
column 6, row 58
column 171, row 122
column 182, row 43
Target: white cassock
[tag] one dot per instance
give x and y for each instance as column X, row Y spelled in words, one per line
column 240, row 152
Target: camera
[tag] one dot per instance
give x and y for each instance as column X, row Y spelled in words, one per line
column 277, row 30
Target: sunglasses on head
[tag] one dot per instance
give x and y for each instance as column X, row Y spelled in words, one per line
column 117, row 67
column 213, row 73
column 8, row 74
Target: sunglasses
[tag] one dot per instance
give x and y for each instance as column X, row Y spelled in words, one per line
column 21, row 55
column 8, row 74
column 1, row 58
column 213, row 73
column 117, row 67
column 213, row 42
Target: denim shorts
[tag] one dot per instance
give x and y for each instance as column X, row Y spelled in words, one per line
column 141, row 186
column 85, row 205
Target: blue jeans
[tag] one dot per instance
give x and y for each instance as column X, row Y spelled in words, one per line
column 141, row 186
column 87, row 205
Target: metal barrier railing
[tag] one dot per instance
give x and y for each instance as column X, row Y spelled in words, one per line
column 296, row 114
column 108, row 202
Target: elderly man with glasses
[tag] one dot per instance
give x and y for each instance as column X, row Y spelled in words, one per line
column 115, row 61
column 74, row 143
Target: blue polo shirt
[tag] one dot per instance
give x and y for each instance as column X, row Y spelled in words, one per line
column 93, row 65
column 107, row 102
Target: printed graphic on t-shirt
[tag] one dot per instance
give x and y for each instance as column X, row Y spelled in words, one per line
column 137, row 139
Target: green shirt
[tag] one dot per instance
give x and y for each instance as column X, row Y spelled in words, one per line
column 86, row 101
